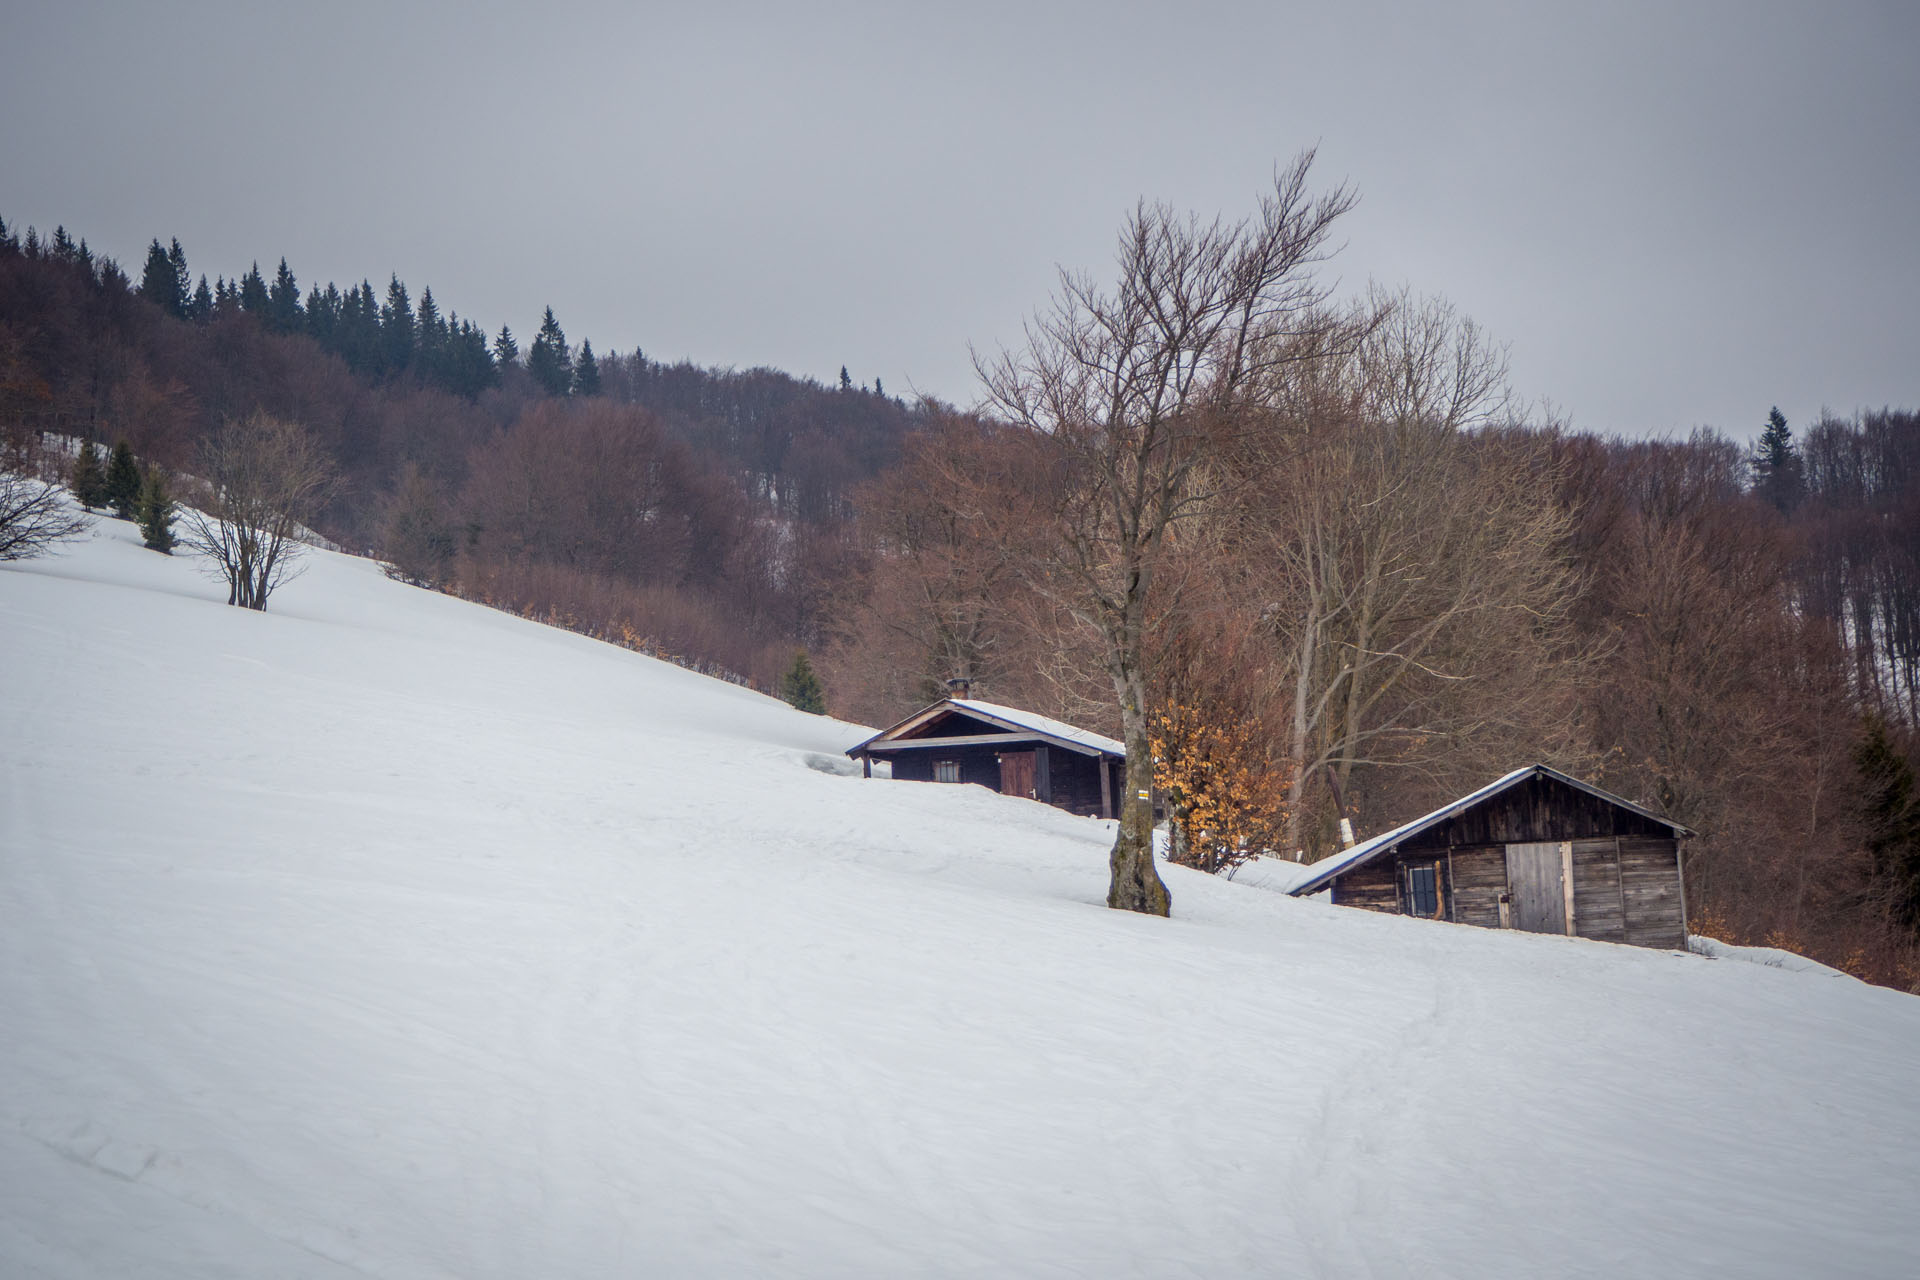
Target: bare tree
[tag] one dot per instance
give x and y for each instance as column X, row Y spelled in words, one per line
column 261, row 476
column 1129, row 397
column 34, row 516
column 1417, row 573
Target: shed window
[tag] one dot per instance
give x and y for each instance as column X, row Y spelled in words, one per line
column 946, row 771
column 1423, row 890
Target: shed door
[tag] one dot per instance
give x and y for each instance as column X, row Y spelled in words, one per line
column 1016, row 773
column 1533, row 878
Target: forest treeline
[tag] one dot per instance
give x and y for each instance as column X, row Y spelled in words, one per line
column 1400, row 588
column 699, row 513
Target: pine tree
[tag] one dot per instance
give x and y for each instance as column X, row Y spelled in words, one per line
column 158, row 283
column 399, row 335
column 548, row 359
column 505, row 349
column 1892, row 815
column 200, row 310
column 878, row 389
column 283, row 301
column 801, row 688
column 155, row 513
column 1776, row 463
column 122, row 485
column 586, row 372
column 846, row 383
column 253, row 292
column 182, row 278
column 89, row 478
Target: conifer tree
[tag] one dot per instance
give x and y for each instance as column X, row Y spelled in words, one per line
column 1776, row 463
column 200, row 310
column 586, row 373
column 89, row 478
column 1892, row 815
column 800, row 687
column 505, row 349
column 158, row 283
column 182, row 278
column 155, row 513
column 122, row 485
column 253, row 292
column 283, row 301
column 399, row 335
column 548, row 359
column 846, row 383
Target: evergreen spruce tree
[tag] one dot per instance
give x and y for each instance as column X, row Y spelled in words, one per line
column 548, row 359
column 586, row 372
column 89, row 478
column 200, row 310
column 155, row 513
column 505, row 349
column 283, row 301
column 846, row 383
column 801, row 688
column 182, row 278
column 122, row 489
column 1776, row 463
column 399, row 334
column 1892, row 815
column 253, row 292
column 158, row 284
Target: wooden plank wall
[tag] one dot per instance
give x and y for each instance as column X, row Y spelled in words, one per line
column 1597, row 909
column 1372, row 887
column 1650, row 890
column 1479, row 878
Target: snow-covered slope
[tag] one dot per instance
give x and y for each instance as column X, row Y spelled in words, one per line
column 385, row 935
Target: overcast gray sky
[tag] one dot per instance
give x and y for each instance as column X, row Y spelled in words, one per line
column 1675, row 214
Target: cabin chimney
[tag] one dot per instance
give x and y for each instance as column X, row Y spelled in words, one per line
column 960, row 687
column 1346, row 833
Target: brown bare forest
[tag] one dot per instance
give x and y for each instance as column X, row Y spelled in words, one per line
column 1398, row 586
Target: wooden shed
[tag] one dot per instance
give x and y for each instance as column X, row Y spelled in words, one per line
column 1014, row 752
column 1537, row 851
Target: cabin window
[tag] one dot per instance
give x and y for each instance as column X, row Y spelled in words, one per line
column 1423, row 890
column 946, row 771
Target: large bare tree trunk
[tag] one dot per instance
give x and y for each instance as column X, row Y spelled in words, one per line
column 1134, row 884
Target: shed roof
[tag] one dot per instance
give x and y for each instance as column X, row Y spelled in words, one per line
column 1329, row 869
column 1012, row 719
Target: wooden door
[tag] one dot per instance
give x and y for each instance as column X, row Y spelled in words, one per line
column 1534, row 881
column 1016, row 773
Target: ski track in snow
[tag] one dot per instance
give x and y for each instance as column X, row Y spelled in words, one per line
column 384, row 935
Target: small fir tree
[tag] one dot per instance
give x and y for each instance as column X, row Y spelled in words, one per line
column 800, row 687
column 505, row 349
column 1776, row 463
column 122, row 481
column 89, row 478
column 586, row 373
column 548, row 359
column 155, row 513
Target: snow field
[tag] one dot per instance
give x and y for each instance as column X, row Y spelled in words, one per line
column 383, row 934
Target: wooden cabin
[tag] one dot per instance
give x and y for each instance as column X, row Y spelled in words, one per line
column 1537, row 851
column 1014, row 752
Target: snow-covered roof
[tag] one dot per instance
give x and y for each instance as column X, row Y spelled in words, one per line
column 1013, row 719
column 1327, row 869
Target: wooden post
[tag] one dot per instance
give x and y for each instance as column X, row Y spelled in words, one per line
column 866, row 766
column 1566, row 881
column 1042, row 776
column 1106, row 787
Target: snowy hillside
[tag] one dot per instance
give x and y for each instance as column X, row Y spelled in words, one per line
column 384, row 935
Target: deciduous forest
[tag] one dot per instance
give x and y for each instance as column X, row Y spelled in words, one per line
column 1382, row 582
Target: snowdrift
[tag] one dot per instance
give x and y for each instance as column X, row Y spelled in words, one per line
column 382, row 934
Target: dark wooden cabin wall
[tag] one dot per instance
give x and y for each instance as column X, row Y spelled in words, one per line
column 1372, row 887
column 979, row 764
column 1479, row 878
column 1076, row 782
column 1597, row 911
column 951, row 726
column 1650, row 886
column 1537, row 809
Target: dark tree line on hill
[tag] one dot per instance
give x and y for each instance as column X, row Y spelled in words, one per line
column 696, row 512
